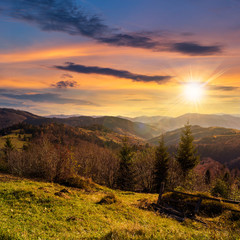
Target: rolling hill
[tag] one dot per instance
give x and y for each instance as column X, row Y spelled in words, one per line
column 148, row 119
column 201, row 135
column 203, row 120
column 220, row 144
column 9, row 117
column 116, row 124
column 141, row 127
column 165, row 123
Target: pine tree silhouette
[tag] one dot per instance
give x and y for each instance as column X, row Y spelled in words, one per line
column 125, row 179
column 187, row 153
column 161, row 165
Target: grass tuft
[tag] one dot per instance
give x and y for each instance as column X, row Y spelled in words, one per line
column 79, row 182
column 110, row 198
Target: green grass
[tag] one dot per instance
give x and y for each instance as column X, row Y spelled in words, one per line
column 31, row 210
column 17, row 143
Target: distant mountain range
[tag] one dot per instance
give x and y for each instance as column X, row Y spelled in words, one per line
column 203, row 120
column 9, row 117
column 165, row 123
column 62, row 116
column 144, row 127
column 216, row 136
column 147, row 119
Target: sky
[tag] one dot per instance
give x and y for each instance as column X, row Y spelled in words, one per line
column 127, row 58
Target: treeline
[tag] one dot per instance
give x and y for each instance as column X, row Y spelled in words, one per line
column 228, row 155
column 61, row 154
column 58, row 158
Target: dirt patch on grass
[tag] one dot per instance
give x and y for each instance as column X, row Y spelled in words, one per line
column 62, row 194
column 7, row 178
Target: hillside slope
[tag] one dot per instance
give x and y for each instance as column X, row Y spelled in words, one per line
column 201, row 135
column 9, row 117
column 116, row 124
column 220, row 144
column 38, row 210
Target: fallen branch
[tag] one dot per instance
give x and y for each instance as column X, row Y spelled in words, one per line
column 205, row 197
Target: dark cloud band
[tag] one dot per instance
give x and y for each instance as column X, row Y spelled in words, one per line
column 195, row 49
column 66, row 16
column 112, row 72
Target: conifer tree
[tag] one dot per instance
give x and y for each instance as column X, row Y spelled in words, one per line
column 8, row 148
column 125, row 178
column 161, row 165
column 187, row 153
column 207, row 177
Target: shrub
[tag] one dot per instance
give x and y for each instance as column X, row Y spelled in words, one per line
column 210, row 208
column 3, row 166
column 108, row 199
column 78, row 182
column 220, row 189
column 235, row 216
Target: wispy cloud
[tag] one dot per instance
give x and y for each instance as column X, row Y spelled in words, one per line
column 66, row 16
column 47, row 97
column 222, row 88
column 65, row 84
column 137, row 100
column 56, row 15
column 112, row 72
column 225, row 96
column 66, row 75
column 131, row 40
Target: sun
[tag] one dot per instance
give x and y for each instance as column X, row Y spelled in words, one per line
column 193, row 92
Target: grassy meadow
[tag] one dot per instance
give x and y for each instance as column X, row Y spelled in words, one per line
column 17, row 139
column 40, row 210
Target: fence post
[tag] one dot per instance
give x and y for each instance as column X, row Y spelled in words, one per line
column 161, row 192
column 196, row 210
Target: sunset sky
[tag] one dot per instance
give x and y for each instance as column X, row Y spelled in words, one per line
column 128, row 57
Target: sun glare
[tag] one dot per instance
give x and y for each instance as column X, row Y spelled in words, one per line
column 193, row 92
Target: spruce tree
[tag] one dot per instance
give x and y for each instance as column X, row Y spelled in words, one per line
column 8, row 148
column 187, row 153
column 161, row 165
column 207, row 177
column 125, row 178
